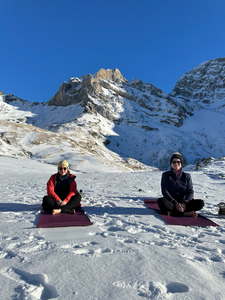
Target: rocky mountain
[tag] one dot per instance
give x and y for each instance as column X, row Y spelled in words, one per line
column 107, row 91
column 132, row 122
column 205, row 84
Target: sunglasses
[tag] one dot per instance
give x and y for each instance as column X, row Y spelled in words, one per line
column 176, row 162
column 62, row 169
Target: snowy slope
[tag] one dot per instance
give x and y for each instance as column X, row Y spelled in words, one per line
column 129, row 252
column 74, row 143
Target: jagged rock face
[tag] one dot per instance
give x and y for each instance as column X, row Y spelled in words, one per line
column 205, row 84
column 81, row 90
column 107, row 90
column 73, row 92
column 110, row 75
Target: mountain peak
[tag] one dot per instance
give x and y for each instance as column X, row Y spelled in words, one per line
column 76, row 90
column 110, row 75
column 205, row 84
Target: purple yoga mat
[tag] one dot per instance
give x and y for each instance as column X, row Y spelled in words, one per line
column 48, row 220
column 179, row 220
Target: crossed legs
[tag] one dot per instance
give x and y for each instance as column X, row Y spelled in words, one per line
column 49, row 204
column 169, row 208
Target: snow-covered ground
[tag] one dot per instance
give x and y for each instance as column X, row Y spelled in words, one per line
column 128, row 253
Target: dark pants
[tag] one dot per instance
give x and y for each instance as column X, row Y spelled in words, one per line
column 49, row 204
column 193, row 205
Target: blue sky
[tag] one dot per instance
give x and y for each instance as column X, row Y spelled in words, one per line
column 44, row 43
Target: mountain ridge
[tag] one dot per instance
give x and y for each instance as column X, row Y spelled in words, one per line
column 136, row 120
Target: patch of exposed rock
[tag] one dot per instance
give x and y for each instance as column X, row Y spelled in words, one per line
column 105, row 92
column 205, row 84
column 73, row 91
column 90, row 92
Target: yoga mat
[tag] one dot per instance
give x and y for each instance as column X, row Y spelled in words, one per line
column 47, row 220
column 179, row 220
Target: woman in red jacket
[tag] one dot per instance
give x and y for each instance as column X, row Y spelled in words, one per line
column 62, row 192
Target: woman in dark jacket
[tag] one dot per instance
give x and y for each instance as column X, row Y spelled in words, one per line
column 62, row 192
column 177, row 190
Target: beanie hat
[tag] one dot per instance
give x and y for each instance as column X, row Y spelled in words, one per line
column 63, row 162
column 176, row 155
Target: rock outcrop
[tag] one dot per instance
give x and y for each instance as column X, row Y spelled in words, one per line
column 105, row 92
column 205, row 84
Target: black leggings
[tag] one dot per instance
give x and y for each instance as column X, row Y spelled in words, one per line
column 49, row 203
column 165, row 206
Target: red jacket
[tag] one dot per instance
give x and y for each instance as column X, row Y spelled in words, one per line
column 51, row 188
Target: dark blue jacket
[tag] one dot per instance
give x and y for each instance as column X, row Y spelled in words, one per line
column 177, row 188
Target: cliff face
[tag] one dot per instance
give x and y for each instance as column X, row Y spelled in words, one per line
column 75, row 91
column 205, row 84
column 106, row 92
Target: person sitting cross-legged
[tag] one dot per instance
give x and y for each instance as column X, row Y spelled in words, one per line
column 177, row 190
column 62, row 195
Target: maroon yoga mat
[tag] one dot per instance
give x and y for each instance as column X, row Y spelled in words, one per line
column 179, row 220
column 48, row 220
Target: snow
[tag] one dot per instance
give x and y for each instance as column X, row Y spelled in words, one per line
column 129, row 252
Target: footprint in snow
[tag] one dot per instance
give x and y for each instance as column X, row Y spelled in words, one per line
column 216, row 258
column 177, row 287
column 80, row 249
column 204, row 248
column 30, row 286
column 91, row 252
column 9, row 254
column 153, row 290
column 115, row 228
column 199, row 258
column 106, row 234
column 78, row 246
